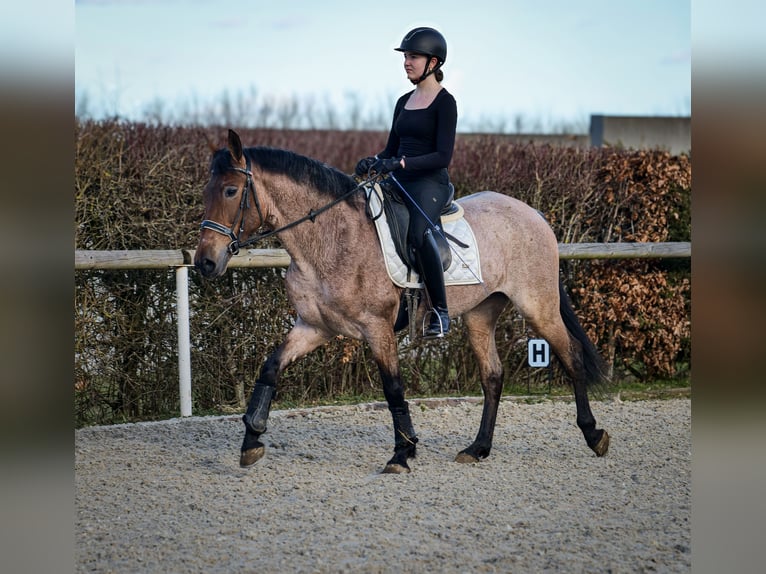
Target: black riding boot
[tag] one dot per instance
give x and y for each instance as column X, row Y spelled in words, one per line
column 432, row 275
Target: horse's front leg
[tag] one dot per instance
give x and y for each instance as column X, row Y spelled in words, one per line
column 386, row 356
column 405, row 438
column 302, row 339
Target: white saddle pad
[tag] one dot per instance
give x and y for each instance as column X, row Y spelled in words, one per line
column 465, row 268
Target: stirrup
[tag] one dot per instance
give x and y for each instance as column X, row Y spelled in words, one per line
column 430, row 330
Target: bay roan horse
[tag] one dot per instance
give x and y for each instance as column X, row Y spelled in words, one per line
column 338, row 284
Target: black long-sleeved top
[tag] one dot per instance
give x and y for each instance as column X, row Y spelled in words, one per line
column 425, row 137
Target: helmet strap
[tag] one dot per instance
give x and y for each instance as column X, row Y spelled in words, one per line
column 428, row 72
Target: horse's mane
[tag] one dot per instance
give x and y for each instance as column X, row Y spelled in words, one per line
column 301, row 169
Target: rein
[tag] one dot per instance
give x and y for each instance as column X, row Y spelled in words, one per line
column 236, row 244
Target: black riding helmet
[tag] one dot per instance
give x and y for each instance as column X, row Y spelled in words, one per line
column 428, row 42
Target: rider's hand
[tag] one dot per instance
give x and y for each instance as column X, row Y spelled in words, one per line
column 364, row 165
column 386, row 165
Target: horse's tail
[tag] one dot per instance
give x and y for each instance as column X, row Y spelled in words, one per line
column 594, row 366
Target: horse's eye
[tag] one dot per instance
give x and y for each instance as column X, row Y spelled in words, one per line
column 230, row 191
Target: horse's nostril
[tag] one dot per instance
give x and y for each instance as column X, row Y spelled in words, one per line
column 205, row 266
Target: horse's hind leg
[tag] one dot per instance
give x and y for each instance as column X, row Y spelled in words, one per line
column 588, row 368
column 302, row 339
column 480, row 323
column 559, row 326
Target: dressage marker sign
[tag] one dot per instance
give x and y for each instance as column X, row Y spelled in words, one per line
column 538, row 353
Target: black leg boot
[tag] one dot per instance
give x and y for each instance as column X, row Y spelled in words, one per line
column 432, row 275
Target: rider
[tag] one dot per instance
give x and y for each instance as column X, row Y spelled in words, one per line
column 418, row 152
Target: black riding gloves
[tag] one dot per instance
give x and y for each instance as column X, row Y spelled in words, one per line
column 364, row 165
column 378, row 166
column 386, row 165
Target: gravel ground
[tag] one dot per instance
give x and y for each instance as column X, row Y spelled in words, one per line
column 170, row 496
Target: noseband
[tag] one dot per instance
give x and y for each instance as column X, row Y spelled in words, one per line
column 244, row 204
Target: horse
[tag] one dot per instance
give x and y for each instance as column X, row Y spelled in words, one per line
column 338, row 285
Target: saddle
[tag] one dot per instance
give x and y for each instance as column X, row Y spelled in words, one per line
column 398, row 219
column 391, row 218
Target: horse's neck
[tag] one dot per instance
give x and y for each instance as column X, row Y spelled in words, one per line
column 330, row 241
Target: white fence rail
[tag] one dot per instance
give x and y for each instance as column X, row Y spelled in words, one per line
column 181, row 260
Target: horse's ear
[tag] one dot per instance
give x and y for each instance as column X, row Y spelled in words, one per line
column 235, row 145
column 208, row 141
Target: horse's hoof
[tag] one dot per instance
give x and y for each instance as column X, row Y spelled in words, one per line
column 251, row 456
column 465, row 458
column 602, row 446
column 393, row 468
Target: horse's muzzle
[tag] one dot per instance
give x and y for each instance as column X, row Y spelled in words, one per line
column 210, row 266
column 205, row 266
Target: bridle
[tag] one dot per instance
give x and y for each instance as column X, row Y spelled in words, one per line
column 236, row 243
column 244, row 204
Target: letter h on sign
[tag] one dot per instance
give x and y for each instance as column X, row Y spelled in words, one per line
column 538, row 353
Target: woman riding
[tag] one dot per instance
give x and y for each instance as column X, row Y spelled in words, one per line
column 418, row 152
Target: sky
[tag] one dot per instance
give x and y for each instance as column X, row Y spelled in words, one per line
column 549, row 62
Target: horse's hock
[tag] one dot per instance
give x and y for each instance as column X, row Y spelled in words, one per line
column 170, row 496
